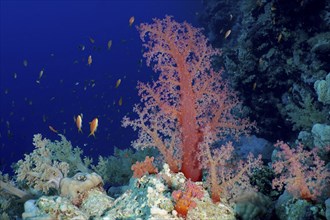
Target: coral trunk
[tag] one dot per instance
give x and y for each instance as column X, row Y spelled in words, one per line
column 190, row 135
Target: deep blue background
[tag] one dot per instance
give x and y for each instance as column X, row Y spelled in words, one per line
column 48, row 34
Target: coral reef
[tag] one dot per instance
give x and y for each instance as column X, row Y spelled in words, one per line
column 321, row 135
column 82, row 197
column 52, row 207
column 252, row 205
column 49, row 163
column 9, row 191
column 192, row 117
column 304, row 114
column 287, row 207
column 322, row 87
column 147, row 197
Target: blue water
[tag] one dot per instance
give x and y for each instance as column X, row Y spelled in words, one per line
column 49, row 36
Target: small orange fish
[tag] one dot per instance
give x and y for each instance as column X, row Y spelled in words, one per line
column 93, row 126
column 131, row 21
column 90, row 60
column 78, row 121
column 52, row 129
column 227, row 34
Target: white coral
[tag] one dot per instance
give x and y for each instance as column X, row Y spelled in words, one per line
column 39, row 170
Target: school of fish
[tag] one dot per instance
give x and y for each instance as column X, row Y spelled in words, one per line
column 93, row 125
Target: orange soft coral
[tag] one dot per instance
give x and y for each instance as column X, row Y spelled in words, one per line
column 184, row 200
column 146, row 166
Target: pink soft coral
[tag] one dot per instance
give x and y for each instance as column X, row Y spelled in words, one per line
column 302, row 172
column 188, row 96
column 227, row 176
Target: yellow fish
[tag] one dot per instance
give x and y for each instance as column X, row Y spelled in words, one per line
column 93, row 126
column 118, row 83
column 78, row 121
column 131, row 21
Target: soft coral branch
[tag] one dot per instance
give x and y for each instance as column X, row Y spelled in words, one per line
column 301, row 172
column 156, row 130
column 227, row 177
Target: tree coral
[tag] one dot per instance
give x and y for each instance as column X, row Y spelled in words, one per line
column 188, row 96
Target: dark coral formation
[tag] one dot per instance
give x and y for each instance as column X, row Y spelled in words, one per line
column 275, row 52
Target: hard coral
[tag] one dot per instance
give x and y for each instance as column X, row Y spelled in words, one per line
column 75, row 188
